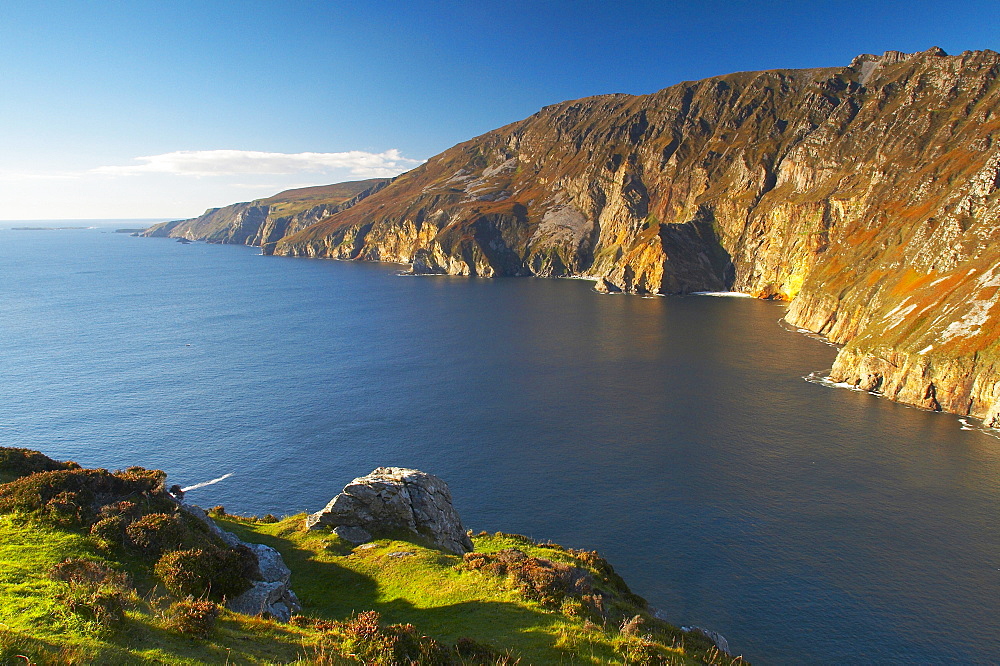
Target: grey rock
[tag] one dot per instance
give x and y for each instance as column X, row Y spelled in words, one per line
column 399, row 554
column 714, row 636
column 269, row 561
column 393, row 498
column 355, row 535
column 272, row 598
column 269, row 596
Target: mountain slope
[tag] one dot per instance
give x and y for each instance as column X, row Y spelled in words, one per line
column 865, row 195
column 263, row 221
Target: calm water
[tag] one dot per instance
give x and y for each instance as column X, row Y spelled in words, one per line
column 676, row 436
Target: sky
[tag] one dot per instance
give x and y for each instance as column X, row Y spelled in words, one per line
column 137, row 109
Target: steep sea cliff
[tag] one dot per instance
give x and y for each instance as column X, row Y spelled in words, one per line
column 865, row 195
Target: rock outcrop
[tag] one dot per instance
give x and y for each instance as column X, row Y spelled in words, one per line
column 393, row 498
column 867, row 195
column 270, row 595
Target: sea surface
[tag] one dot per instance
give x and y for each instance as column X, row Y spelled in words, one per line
column 676, row 436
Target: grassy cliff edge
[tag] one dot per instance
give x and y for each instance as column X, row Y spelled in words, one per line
column 92, row 570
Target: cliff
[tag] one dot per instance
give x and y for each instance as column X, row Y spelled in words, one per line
column 263, row 221
column 866, row 195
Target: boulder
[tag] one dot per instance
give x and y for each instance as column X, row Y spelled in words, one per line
column 397, row 498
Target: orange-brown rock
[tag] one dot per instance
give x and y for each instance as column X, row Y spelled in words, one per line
column 865, row 195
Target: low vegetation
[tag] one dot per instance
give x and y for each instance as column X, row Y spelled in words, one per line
column 104, row 567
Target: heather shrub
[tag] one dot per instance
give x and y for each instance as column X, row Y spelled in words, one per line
column 235, row 568
column 78, row 571
column 94, row 591
column 104, row 606
column 125, row 509
column 186, row 572
column 364, row 625
column 72, row 495
column 155, row 533
column 607, row 574
column 192, row 617
column 68, row 509
column 15, row 463
column 544, row 581
column 367, row 639
column 214, row 572
column 110, row 529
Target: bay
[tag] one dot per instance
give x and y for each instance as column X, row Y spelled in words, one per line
column 676, row 436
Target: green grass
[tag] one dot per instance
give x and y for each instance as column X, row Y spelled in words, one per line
column 35, row 622
column 425, row 589
column 430, row 590
column 498, row 602
column 334, row 581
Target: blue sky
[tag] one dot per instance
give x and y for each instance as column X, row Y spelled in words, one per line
column 162, row 109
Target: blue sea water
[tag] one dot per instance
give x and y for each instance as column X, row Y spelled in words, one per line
column 674, row 435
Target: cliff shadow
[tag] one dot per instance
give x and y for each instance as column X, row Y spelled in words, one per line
column 695, row 258
column 407, row 582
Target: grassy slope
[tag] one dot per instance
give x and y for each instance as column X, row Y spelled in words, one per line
column 294, row 201
column 434, row 591
column 428, row 590
column 35, row 622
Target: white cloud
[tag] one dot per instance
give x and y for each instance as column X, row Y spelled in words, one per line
column 162, row 186
column 243, row 162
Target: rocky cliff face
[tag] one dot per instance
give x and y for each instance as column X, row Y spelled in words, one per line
column 264, row 221
column 865, row 195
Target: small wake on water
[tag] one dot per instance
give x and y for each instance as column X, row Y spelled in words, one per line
column 206, row 483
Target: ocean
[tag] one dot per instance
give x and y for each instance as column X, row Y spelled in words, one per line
column 676, row 436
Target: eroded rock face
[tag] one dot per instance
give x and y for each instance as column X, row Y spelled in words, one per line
column 393, row 498
column 867, row 195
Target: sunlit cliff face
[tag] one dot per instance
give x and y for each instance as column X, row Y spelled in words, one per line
column 864, row 195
